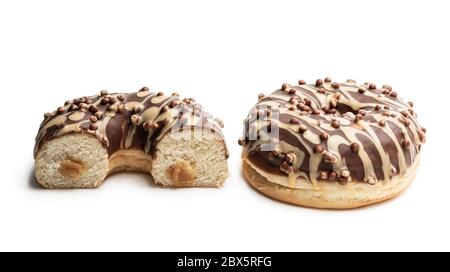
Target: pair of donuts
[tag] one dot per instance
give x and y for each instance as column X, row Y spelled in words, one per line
column 322, row 145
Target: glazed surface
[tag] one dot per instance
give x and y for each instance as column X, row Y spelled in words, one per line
column 123, row 121
column 328, row 131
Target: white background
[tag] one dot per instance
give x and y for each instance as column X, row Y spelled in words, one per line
column 224, row 54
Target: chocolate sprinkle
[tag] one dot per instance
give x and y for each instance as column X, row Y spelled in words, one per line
column 323, row 136
column 355, row 147
column 99, row 115
column 318, row 148
column 335, row 123
column 295, row 121
column 93, row 108
column 406, row 143
column 302, row 128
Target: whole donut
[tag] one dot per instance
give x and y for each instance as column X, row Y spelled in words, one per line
column 90, row 137
column 331, row 145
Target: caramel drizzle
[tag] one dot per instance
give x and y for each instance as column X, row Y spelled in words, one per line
column 377, row 161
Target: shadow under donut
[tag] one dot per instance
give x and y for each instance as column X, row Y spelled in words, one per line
column 138, row 178
column 32, row 182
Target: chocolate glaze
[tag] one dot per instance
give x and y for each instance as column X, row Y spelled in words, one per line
column 156, row 115
column 382, row 150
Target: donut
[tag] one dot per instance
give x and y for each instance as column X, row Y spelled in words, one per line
column 331, row 145
column 80, row 143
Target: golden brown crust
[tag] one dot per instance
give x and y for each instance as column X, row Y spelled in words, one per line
column 324, row 196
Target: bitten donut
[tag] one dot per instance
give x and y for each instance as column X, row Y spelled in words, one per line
column 88, row 138
column 331, row 145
